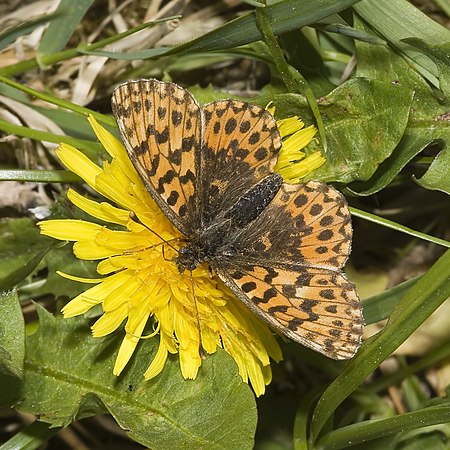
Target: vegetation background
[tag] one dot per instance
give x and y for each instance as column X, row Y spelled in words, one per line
column 374, row 76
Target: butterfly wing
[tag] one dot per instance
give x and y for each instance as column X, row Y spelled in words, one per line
column 317, row 307
column 241, row 145
column 195, row 162
column 306, row 224
column 288, row 269
column 161, row 126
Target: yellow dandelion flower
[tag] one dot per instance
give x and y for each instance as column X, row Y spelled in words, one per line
column 293, row 164
column 139, row 280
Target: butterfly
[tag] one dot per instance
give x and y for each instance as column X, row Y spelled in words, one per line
column 279, row 247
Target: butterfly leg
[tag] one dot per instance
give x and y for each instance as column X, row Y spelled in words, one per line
column 201, row 350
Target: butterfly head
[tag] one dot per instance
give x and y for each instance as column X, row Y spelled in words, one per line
column 189, row 257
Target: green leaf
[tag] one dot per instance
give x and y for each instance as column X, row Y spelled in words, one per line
column 428, row 119
column 410, row 146
column 61, row 29
column 12, row 335
column 301, row 422
column 439, row 53
column 91, row 148
column 444, row 5
column 415, row 307
column 300, row 46
column 21, row 249
column 437, row 177
column 18, row 275
column 57, row 100
column 380, row 306
column 130, row 56
column 39, row 176
column 398, row 227
column 284, row 16
column 63, row 259
column 72, row 378
column 32, row 437
column 436, row 437
column 350, row 31
column 383, row 17
column 365, row 120
column 431, row 358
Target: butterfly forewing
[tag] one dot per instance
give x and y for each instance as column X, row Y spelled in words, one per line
column 241, row 144
column 160, row 124
column 317, row 307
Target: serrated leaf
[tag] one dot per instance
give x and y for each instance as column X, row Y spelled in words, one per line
column 12, row 335
column 365, row 120
column 72, row 378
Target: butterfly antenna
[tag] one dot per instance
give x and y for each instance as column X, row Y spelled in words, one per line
column 201, row 350
column 136, row 219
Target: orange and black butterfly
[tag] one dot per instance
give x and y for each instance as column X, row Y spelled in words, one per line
column 279, row 247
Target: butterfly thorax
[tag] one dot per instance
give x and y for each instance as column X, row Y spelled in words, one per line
column 189, row 257
column 209, row 244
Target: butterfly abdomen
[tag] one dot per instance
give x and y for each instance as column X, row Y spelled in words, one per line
column 254, row 201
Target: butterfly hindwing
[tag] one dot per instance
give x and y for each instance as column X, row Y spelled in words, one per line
column 161, row 126
column 317, row 307
column 305, row 224
column 287, row 268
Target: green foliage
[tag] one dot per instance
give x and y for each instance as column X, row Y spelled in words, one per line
column 61, row 387
column 413, row 309
column 436, row 177
column 60, row 30
column 375, row 78
column 12, row 335
column 427, row 122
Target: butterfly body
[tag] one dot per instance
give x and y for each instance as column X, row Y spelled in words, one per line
column 213, row 242
column 279, row 247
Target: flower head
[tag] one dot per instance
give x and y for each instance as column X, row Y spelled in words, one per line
column 140, row 284
column 293, row 164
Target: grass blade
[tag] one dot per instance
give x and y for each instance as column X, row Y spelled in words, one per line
column 415, row 307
